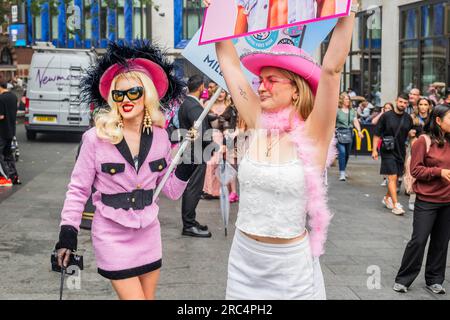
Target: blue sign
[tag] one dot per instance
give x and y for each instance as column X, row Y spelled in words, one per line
column 18, row 34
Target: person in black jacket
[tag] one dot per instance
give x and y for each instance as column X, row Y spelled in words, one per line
column 8, row 112
column 190, row 110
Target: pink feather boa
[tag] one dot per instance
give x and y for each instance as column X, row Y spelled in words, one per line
column 318, row 212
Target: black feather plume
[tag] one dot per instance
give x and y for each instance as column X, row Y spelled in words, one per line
column 120, row 53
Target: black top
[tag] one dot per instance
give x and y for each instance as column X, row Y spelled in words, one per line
column 419, row 128
column 190, row 110
column 228, row 119
column 8, row 108
column 387, row 126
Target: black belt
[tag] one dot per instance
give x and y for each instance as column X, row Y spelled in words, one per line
column 137, row 199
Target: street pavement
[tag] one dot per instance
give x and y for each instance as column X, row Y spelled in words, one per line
column 36, row 156
column 363, row 251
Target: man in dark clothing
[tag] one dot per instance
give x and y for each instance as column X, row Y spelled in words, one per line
column 396, row 126
column 8, row 112
column 190, row 110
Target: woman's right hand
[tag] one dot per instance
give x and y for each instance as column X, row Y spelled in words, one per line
column 63, row 257
column 207, row 3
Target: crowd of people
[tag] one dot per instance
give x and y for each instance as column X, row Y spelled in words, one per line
column 412, row 138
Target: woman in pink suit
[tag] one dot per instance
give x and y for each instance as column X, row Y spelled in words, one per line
column 124, row 157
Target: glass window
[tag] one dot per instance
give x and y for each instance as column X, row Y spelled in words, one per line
column 6, row 57
column 447, row 9
column 55, row 27
column 137, row 14
column 192, row 17
column 103, row 20
column 71, row 30
column 409, row 65
column 433, row 20
column 371, row 29
column 409, row 24
column 433, row 61
column 120, row 19
column 144, row 22
column 87, row 21
column 38, row 28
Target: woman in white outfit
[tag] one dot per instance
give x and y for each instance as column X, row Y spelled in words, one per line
column 293, row 114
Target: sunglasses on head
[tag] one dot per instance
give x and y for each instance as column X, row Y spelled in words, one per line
column 132, row 94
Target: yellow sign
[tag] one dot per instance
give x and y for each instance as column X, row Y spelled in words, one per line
column 45, row 119
column 358, row 139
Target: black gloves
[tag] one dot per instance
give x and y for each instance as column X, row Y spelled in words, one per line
column 68, row 238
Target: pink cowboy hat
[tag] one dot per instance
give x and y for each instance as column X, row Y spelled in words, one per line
column 286, row 57
column 154, row 71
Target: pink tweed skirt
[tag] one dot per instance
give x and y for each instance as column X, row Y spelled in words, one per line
column 122, row 252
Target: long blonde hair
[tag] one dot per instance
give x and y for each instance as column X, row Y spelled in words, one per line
column 304, row 104
column 107, row 121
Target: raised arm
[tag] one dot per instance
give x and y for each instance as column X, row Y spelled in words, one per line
column 321, row 123
column 245, row 99
column 377, row 118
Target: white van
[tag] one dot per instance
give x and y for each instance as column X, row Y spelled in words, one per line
column 53, row 92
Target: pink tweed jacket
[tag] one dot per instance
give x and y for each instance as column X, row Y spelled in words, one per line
column 111, row 170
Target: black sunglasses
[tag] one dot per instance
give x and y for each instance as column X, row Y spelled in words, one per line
column 132, row 94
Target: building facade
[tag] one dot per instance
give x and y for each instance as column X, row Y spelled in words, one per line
column 93, row 23
column 398, row 45
column 88, row 23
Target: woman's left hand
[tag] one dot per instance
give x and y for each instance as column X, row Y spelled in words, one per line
column 361, row 135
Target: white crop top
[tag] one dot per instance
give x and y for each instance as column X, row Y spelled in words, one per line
column 272, row 198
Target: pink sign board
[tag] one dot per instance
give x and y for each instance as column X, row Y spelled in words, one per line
column 226, row 19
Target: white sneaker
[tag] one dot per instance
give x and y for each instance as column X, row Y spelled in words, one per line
column 436, row 288
column 388, row 203
column 342, row 176
column 384, row 183
column 400, row 288
column 398, row 209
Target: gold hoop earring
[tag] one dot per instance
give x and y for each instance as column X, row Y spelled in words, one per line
column 147, row 122
column 120, row 123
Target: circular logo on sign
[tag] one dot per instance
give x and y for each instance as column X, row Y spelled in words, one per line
column 286, row 41
column 262, row 40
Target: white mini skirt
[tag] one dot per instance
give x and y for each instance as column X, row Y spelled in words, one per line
column 264, row 271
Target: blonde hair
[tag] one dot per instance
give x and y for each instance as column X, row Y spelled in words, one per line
column 107, row 121
column 342, row 97
column 304, row 104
